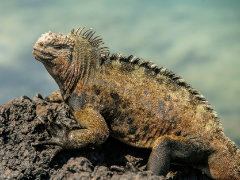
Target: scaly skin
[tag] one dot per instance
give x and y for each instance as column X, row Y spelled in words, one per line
column 137, row 103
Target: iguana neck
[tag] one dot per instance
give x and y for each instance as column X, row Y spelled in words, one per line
column 66, row 78
column 78, row 71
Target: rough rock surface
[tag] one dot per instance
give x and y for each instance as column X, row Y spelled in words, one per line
column 23, row 122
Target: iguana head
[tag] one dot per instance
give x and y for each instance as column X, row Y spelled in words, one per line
column 52, row 49
column 70, row 58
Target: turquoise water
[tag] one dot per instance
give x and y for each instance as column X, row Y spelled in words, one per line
column 199, row 40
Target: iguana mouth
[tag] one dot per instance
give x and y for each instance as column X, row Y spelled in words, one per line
column 41, row 55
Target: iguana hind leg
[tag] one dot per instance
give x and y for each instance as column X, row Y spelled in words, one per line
column 171, row 148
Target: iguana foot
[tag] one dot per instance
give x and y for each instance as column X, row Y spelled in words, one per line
column 59, row 135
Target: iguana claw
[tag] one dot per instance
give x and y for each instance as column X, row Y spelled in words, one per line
column 59, row 135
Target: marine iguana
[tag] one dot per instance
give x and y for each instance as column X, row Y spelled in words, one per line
column 136, row 102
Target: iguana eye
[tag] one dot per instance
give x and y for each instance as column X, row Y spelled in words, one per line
column 57, row 46
column 60, row 46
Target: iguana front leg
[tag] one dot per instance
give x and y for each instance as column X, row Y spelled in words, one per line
column 94, row 132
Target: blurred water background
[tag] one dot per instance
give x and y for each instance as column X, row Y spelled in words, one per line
column 199, row 40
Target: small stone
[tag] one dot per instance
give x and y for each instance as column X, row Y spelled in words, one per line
column 39, row 96
column 24, row 97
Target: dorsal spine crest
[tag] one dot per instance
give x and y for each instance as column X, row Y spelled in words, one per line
column 95, row 41
column 165, row 72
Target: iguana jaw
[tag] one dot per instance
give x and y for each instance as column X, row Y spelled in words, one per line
column 42, row 56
